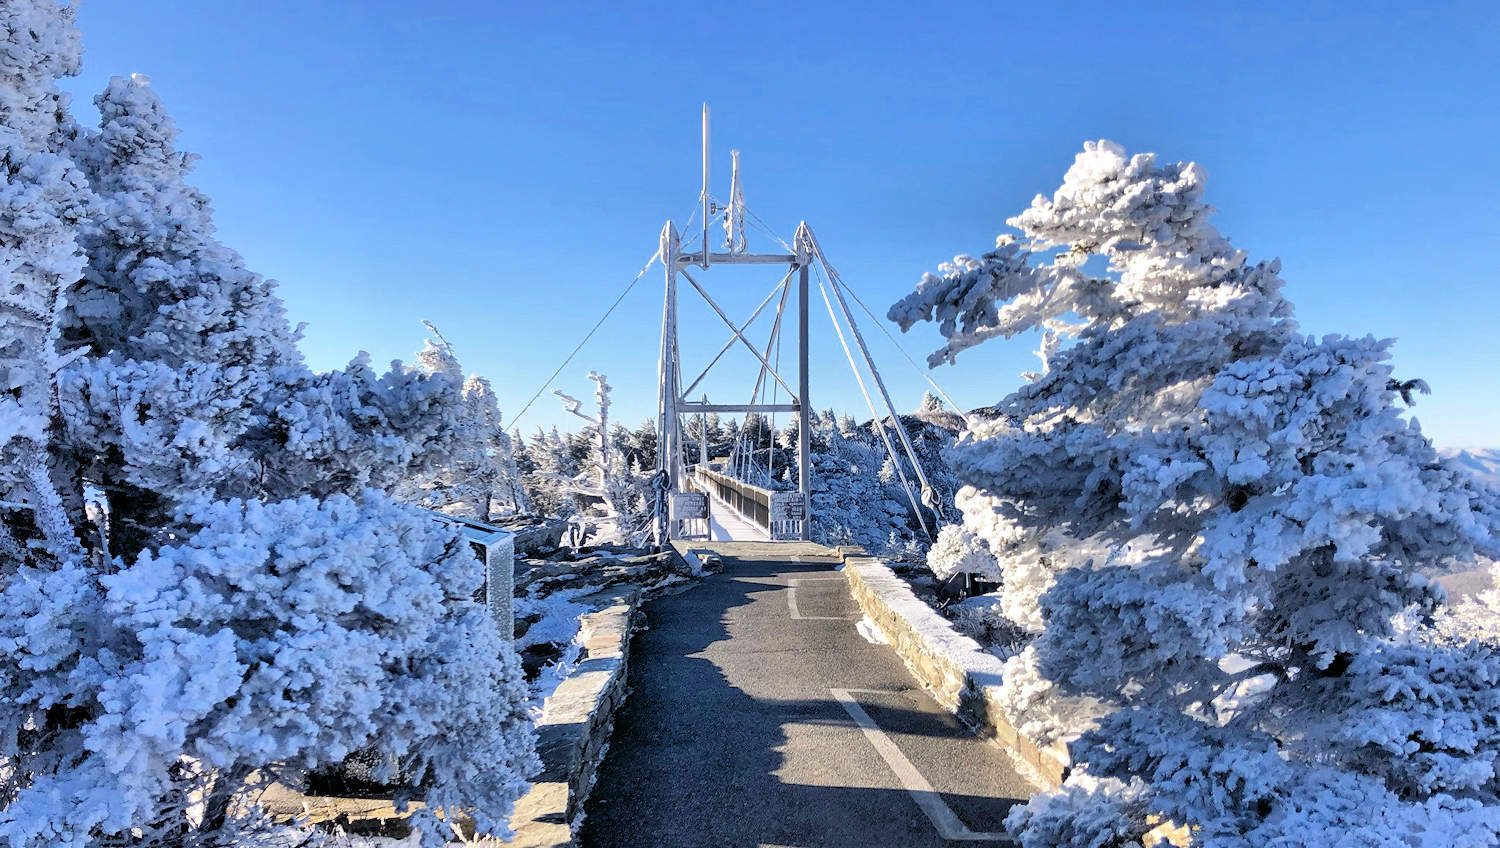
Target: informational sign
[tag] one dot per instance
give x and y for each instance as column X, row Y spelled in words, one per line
column 686, row 505
column 788, row 506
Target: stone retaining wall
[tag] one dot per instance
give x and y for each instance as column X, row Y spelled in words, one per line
column 574, row 727
column 957, row 672
column 571, row 735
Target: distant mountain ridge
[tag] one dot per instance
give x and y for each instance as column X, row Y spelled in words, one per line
column 1483, row 463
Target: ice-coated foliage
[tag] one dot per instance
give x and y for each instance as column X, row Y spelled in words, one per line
column 1210, row 522
column 183, row 340
column 194, row 386
column 960, row 551
column 547, row 471
column 43, row 199
column 857, row 497
column 478, row 478
column 282, row 635
column 1236, row 790
column 159, row 286
column 197, row 580
column 615, row 492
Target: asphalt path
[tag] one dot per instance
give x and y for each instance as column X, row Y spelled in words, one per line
column 759, row 716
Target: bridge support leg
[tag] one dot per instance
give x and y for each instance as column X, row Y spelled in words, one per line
column 667, row 433
column 804, row 408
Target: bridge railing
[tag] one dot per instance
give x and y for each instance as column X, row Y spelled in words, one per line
column 752, row 503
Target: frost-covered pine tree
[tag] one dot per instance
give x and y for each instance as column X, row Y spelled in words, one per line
column 159, row 286
column 548, row 483
column 268, row 614
column 479, row 478
column 1208, row 522
column 274, row 638
column 43, row 198
column 183, row 339
column 346, row 430
column 618, row 486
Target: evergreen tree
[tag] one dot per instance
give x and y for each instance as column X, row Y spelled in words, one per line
column 183, row 338
column 43, row 200
column 228, row 628
column 549, row 485
column 159, row 286
column 1208, row 523
column 642, row 444
column 716, row 435
column 479, row 477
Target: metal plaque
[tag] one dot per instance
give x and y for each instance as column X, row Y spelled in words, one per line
column 686, row 505
column 788, row 506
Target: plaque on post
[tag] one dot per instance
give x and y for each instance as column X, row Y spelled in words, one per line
column 689, row 505
column 788, row 506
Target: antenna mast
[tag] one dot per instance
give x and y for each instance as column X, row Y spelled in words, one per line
column 703, row 196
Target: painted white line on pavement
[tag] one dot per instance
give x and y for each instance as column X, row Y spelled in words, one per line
column 947, row 822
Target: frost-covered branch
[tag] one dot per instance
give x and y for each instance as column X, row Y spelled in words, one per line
column 1190, row 479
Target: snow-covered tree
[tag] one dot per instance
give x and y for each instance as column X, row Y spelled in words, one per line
column 159, row 286
column 183, row 339
column 246, row 603
column 638, row 445
column 857, row 497
column 276, row 638
column 548, row 483
column 958, row 550
column 847, row 426
column 478, row 479
column 1209, row 523
column 608, row 479
column 43, row 199
column 342, row 431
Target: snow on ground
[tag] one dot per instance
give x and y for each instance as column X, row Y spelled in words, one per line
column 559, row 623
column 871, row 632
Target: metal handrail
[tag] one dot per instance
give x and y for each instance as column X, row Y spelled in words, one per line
column 752, row 502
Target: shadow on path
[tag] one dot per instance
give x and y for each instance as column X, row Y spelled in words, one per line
column 731, row 736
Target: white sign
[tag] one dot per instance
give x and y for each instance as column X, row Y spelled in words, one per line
column 687, row 505
column 788, row 506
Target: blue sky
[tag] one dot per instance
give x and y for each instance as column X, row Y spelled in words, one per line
column 503, row 169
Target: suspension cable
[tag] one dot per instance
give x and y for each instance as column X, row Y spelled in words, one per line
column 833, row 272
column 515, row 422
column 869, row 402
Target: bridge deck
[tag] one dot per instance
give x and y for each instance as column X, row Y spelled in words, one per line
column 759, row 716
column 726, row 525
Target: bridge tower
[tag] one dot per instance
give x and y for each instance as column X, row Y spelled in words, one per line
column 689, row 259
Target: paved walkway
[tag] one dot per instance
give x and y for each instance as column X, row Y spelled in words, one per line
column 759, row 716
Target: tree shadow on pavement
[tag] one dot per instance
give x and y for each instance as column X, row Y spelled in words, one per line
column 695, row 760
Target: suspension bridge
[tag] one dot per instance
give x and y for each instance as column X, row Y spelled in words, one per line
column 764, row 709
column 728, row 499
